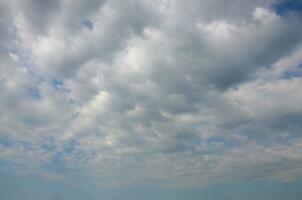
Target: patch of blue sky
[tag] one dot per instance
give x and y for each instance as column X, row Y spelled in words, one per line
column 57, row 84
column 34, row 93
column 70, row 146
column 6, row 142
column 290, row 74
column 14, row 51
column 49, row 145
column 25, row 61
column 87, row 24
column 23, row 57
column 37, row 78
column 58, row 156
column 286, row 6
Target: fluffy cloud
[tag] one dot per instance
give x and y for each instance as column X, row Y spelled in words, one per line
column 152, row 92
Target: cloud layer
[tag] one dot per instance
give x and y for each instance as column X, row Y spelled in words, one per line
column 170, row 93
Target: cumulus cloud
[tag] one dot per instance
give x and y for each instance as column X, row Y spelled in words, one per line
column 151, row 92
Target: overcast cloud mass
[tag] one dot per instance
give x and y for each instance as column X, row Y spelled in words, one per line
column 170, row 95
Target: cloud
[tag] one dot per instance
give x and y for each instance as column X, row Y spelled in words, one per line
column 151, row 92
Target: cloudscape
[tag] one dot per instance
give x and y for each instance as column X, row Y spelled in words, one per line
column 150, row 99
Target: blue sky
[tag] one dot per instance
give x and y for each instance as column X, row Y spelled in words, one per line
column 155, row 100
column 288, row 6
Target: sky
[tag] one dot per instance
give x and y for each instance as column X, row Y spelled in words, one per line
column 150, row 99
